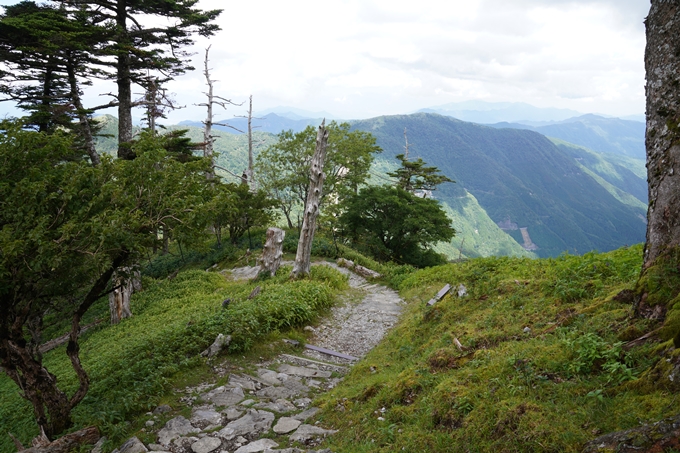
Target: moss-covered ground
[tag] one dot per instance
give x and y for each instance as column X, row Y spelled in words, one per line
column 532, row 359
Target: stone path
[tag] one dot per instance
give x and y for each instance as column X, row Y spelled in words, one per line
column 269, row 408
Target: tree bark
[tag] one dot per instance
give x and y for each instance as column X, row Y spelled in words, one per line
column 85, row 128
column 316, row 179
column 208, row 139
column 51, row 406
column 662, row 64
column 273, row 251
column 69, row 442
column 125, row 284
column 124, row 82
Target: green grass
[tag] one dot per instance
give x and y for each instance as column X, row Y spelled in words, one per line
column 133, row 365
column 549, row 388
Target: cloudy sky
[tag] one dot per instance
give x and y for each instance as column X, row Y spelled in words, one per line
column 364, row 58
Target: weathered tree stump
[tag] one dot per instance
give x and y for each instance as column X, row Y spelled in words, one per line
column 125, row 283
column 273, row 251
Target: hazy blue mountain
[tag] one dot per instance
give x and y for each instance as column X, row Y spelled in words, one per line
column 521, row 179
column 297, row 114
column 270, row 122
column 496, row 112
column 606, row 135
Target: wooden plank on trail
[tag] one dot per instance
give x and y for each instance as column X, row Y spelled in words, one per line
column 322, row 350
column 329, row 352
column 440, row 294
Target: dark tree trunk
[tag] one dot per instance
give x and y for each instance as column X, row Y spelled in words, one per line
column 124, row 82
column 51, row 406
column 662, row 64
column 85, row 128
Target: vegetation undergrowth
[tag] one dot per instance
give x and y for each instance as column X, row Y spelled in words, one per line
column 532, row 359
column 133, row 365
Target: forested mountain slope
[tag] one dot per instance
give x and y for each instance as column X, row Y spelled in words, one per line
column 520, row 178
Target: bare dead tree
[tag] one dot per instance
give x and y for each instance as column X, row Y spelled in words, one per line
column 248, row 173
column 316, row 179
column 157, row 102
column 208, row 138
column 405, row 146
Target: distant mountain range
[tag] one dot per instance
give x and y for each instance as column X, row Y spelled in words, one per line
column 607, row 135
column 549, row 197
column 270, row 122
column 495, row 112
column 517, row 192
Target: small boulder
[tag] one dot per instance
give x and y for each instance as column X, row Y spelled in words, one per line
column 286, row 425
column 220, row 343
column 258, row 446
column 133, row 445
column 206, row 445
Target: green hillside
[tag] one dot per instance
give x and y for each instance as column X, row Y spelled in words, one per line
column 519, row 178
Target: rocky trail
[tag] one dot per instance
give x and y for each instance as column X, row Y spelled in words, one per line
column 268, row 407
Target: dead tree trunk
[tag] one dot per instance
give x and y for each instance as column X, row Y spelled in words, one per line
column 249, row 172
column 273, row 251
column 70, row 442
column 316, row 179
column 208, row 138
column 125, row 284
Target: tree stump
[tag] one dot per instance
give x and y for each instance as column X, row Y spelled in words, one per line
column 273, row 251
column 125, row 283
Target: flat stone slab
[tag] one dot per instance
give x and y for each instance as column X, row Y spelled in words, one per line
column 304, row 415
column 254, row 422
column 257, row 446
column 233, row 414
column 175, row 428
column 303, row 371
column 206, row 417
column 281, row 406
column 305, row 433
column 268, row 377
column 286, row 425
column 242, row 381
column 276, row 393
column 206, row 445
column 223, row 396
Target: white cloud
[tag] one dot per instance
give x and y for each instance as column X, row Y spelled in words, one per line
column 359, row 58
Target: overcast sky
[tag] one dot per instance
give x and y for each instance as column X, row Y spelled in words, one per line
column 364, row 58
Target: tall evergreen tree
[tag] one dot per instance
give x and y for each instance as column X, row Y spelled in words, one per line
column 48, row 55
column 137, row 49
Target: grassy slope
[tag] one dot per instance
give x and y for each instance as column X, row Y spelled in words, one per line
column 133, row 365
column 547, row 389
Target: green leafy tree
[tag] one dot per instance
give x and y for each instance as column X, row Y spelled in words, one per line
column 393, row 224
column 65, row 227
column 415, row 175
column 283, row 168
column 235, row 208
